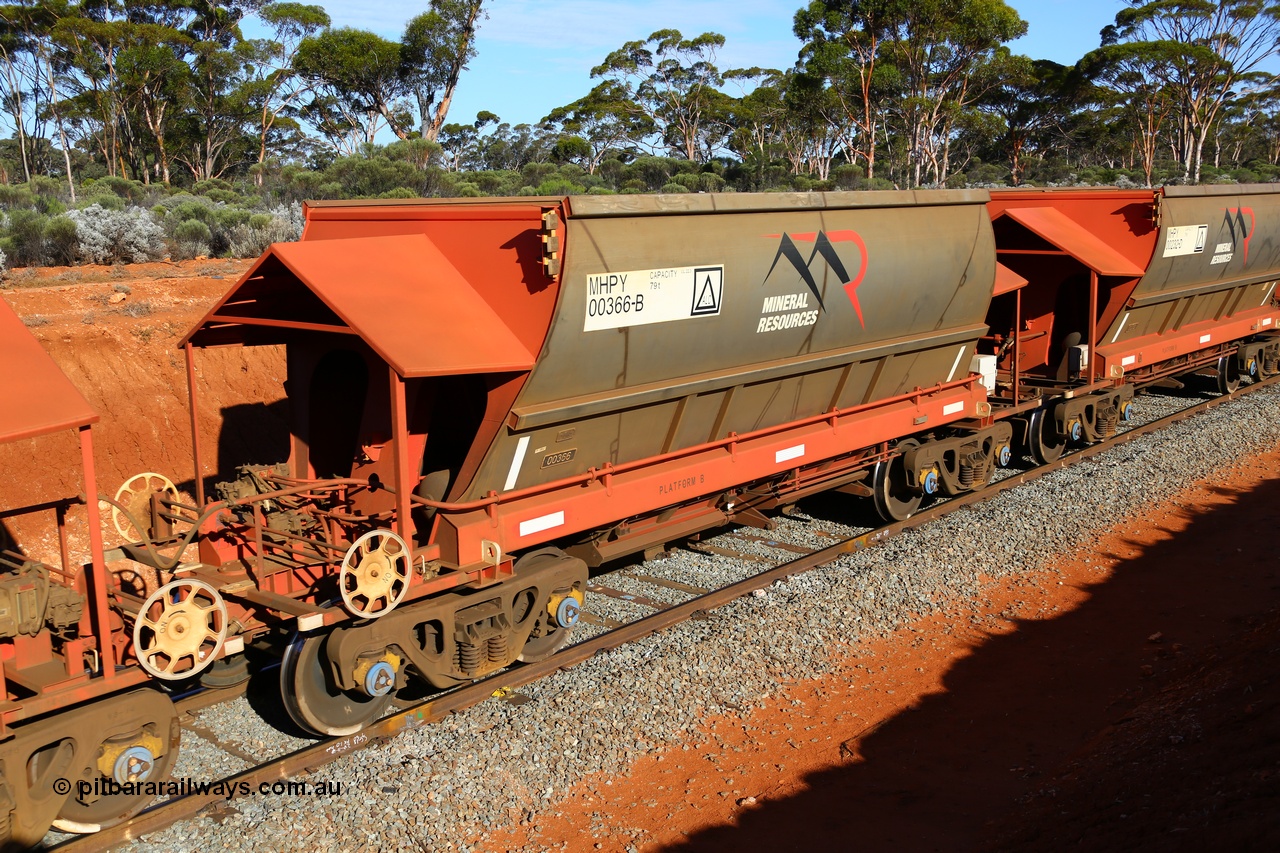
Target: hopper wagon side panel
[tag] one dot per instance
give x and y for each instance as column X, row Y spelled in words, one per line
column 1211, row 279
column 678, row 328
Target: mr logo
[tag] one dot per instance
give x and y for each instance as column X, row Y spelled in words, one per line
column 1233, row 218
column 823, row 245
column 708, row 287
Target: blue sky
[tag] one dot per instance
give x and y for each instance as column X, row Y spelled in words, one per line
column 535, row 55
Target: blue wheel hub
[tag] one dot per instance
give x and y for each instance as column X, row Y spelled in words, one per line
column 1126, row 412
column 1076, row 431
column 1004, row 456
column 133, row 765
column 568, row 612
column 930, row 484
column 380, row 679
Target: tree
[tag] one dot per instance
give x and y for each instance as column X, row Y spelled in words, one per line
column 671, row 81
column 220, row 83
column 437, row 45
column 939, row 48
column 1031, row 98
column 604, row 121
column 1133, row 76
column 276, row 89
column 357, row 85
column 1204, row 50
column 842, row 48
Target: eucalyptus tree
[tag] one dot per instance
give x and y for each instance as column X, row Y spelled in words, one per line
column 34, row 72
column 1134, row 77
column 276, row 89
column 842, row 48
column 29, row 80
column 1031, row 99
column 605, row 122
column 221, row 73
column 436, row 47
column 939, row 49
column 672, row 82
column 1204, row 51
column 356, row 86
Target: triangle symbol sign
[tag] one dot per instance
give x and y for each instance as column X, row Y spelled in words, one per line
column 707, row 299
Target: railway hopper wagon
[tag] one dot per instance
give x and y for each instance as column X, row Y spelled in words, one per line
column 488, row 398
column 70, row 711
column 1107, row 290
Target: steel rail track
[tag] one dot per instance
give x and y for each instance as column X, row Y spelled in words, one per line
column 312, row 757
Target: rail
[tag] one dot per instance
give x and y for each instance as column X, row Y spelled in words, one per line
column 309, row 758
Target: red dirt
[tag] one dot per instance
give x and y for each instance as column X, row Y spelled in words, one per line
column 1127, row 700
column 123, row 357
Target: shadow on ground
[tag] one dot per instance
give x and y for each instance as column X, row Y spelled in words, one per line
column 995, row 761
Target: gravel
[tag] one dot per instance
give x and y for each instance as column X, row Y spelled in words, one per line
column 442, row 787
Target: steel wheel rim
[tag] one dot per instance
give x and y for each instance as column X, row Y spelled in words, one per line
column 895, row 500
column 313, row 702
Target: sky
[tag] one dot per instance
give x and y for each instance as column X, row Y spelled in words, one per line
column 536, row 55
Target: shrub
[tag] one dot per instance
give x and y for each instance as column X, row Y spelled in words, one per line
column 35, row 320
column 249, row 241
column 104, row 199
column 62, row 246
column 137, row 310
column 110, row 236
column 191, row 237
column 25, row 241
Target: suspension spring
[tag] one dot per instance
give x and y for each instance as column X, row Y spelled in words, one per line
column 498, row 649
column 468, row 657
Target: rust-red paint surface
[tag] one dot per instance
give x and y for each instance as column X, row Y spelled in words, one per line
column 400, row 294
column 37, row 396
column 1007, row 280
column 1082, row 244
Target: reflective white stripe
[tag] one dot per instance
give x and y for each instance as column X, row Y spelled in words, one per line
column 790, row 453
column 952, row 408
column 1204, row 339
column 1268, row 296
column 521, row 446
column 1123, row 320
column 956, row 364
column 310, row 621
column 541, row 523
column 1266, row 321
column 1128, row 360
column 233, row 646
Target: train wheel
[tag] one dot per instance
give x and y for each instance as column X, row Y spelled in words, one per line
column 1228, row 374
column 1043, row 441
column 895, row 499
column 311, row 697
column 144, row 755
column 551, row 639
column 555, row 623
